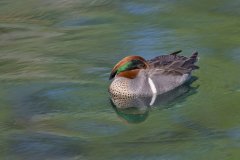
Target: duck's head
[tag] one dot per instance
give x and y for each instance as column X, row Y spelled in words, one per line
column 128, row 67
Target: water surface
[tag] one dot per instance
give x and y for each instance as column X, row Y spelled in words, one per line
column 55, row 60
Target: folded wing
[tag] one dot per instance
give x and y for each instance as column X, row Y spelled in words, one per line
column 174, row 64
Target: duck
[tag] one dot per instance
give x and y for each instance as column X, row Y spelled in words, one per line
column 134, row 77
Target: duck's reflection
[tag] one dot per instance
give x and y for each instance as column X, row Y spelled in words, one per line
column 136, row 110
column 132, row 114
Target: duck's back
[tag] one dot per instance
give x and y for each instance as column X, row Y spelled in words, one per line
column 174, row 64
column 170, row 71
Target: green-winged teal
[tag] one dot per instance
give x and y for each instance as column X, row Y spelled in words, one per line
column 135, row 77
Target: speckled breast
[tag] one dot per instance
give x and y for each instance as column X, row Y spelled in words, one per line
column 122, row 87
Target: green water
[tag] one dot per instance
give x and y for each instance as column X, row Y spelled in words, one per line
column 55, row 59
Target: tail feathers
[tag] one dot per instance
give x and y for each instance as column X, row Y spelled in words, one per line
column 194, row 55
column 195, row 67
column 189, row 63
column 176, row 52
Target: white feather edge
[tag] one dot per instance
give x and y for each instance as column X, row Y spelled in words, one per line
column 154, row 91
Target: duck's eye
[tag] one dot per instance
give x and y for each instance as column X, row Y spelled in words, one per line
column 141, row 65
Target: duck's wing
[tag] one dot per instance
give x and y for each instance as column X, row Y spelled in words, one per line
column 174, row 64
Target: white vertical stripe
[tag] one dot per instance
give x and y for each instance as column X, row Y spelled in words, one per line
column 154, row 91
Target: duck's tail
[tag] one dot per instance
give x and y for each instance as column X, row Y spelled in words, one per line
column 190, row 62
column 176, row 52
